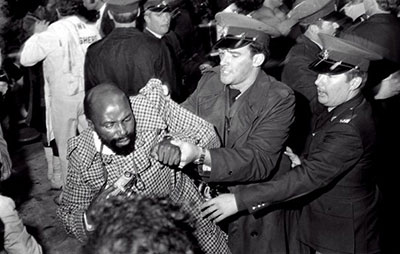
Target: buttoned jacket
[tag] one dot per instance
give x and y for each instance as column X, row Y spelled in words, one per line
column 156, row 116
column 336, row 181
column 254, row 131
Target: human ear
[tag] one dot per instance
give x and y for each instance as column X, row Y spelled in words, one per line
column 258, row 59
column 355, row 83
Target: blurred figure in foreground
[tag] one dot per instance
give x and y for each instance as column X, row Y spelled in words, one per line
column 141, row 224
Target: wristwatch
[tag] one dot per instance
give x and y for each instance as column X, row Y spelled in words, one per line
column 202, row 169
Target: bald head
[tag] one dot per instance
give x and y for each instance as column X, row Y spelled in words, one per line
column 101, row 96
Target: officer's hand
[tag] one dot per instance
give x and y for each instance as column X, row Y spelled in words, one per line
column 189, row 152
column 167, row 153
column 220, row 207
column 205, row 67
column 293, row 157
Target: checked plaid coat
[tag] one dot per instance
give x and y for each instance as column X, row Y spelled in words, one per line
column 156, row 115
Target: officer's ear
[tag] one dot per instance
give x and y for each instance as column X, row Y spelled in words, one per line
column 258, row 59
column 355, row 83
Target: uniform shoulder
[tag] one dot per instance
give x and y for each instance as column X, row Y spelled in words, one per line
column 359, row 115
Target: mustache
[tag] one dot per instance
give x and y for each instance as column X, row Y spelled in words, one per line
column 125, row 150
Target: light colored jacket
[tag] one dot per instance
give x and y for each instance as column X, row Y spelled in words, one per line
column 62, row 47
column 16, row 239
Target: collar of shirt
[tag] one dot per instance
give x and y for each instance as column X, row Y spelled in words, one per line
column 154, row 33
column 97, row 145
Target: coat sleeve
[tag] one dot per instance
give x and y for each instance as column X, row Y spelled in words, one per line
column 339, row 152
column 76, row 197
column 39, row 46
column 180, row 123
column 16, row 238
column 258, row 157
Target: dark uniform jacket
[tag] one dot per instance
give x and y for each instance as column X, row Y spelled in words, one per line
column 127, row 58
column 254, row 141
column 337, row 176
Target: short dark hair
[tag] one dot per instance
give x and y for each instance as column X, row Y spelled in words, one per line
column 69, row 7
column 258, row 48
column 140, row 224
column 126, row 17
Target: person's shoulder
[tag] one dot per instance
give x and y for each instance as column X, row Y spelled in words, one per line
column 7, row 205
column 211, row 79
column 279, row 87
column 95, row 46
column 80, row 142
column 357, row 116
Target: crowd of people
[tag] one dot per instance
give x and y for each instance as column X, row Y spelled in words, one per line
column 242, row 126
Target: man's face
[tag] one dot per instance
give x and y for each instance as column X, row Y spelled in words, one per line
column 333, row 90
column 354, row 9
column 236, row 65
column 328, row 27
column 371, row 6
column 115, row 125
column 158, row 22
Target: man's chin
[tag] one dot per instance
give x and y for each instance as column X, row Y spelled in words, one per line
column 123, row 150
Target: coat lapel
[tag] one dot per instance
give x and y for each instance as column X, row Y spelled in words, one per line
column 247, row 108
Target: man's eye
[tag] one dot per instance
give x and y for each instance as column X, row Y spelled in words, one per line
column 128, row 119
column 108, row 125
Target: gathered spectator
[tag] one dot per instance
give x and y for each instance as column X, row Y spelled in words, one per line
column 126, row 56
column 16, row 239
column 141, row 224
column 62, row 46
